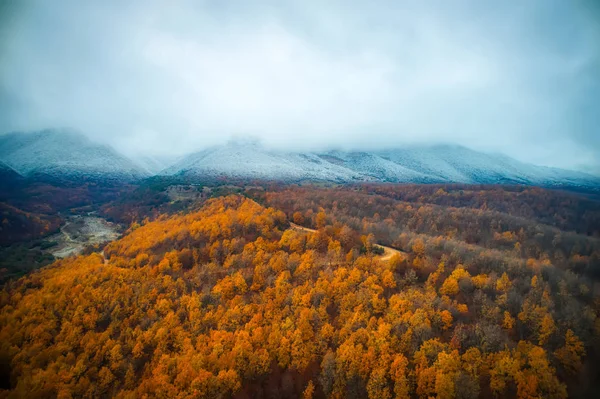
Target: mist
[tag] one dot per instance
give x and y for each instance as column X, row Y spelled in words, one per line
column 154, row 77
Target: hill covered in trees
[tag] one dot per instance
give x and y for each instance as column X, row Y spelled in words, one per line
column 495, row 294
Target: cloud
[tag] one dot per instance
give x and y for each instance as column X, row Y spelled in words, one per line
column 514, row 77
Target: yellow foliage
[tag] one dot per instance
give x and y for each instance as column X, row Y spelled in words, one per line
column 219, row 301
column 503, row 284
column 450, row 286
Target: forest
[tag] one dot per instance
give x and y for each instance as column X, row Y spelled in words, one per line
column 32, row 209
column 283, row 291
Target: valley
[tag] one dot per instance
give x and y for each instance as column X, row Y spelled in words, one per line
column 307, row 286
column 282, row 288
column 79, row 232
column 245, row 272
column 299, row 200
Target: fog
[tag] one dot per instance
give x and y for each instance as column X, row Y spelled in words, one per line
column 159, row 77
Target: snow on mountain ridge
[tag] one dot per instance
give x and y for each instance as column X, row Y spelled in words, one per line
column 415, row 164
column 378, row 167
column 66, row 153
column 63, row 152
column 252, row 161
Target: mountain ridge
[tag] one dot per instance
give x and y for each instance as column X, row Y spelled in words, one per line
column 413, row 164
column 69, row 154
column 60, row 153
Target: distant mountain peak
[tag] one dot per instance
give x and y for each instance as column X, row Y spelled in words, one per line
column 64, row 152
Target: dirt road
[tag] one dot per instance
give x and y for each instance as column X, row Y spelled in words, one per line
column 104, row 257
column 80, row 231
column 388, row 252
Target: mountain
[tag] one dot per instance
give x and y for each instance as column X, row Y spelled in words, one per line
column 153, row 164
column 375, row 167
column 413, row 164
column 67, row 154
column 252, row 161
column 64, row 153
column 8, row 174
column 457, row 164
column 9, row 179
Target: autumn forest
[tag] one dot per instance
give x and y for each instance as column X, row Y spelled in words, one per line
column 305, row 291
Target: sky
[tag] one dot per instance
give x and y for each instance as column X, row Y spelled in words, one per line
column 159, row 77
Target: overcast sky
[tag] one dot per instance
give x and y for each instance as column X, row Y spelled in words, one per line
column 518, row 77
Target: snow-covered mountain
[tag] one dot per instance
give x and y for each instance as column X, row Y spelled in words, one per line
column 252, row 161
column 372, row 166
column 413, row 164
column 64, row 153
column 60, row 153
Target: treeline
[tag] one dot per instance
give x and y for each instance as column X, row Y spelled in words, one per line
column 229, row 301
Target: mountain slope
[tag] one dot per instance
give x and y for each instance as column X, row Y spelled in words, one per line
column 231, row 300
column 153, row 164
column 19, row 225
column 9, row 178
column 60, row 153
column 377, row 167
column 251, row 161
column 414, row 164
column 7, row 170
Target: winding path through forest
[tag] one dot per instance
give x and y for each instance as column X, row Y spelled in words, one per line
column 104, row 257
column 388, row 252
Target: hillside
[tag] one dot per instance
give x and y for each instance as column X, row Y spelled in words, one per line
column 65, row 155
column 6, row 172
column 231, row 300
column 412, row 164
column 252, row 161
column 18, row 225
column 9, row 180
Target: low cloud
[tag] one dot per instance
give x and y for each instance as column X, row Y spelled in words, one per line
column 515, row 77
